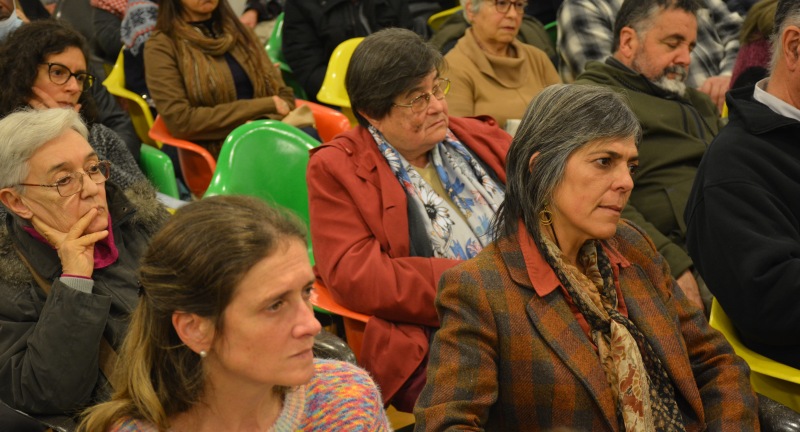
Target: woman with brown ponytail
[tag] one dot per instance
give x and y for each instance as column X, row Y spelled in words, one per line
column 208, row 74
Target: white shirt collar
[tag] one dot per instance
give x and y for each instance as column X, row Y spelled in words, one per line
column 772, row 102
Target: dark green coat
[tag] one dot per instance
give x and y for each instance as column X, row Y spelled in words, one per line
column 676, row 132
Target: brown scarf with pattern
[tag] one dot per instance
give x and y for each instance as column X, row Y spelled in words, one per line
column 644, row 392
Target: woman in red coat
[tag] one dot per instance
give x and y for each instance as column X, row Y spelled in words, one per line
column 398, row 200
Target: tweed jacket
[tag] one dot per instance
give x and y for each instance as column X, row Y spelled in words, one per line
column 508, row 359
column 364, row 244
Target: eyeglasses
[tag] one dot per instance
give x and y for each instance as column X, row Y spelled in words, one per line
column 421, row 102
column 503, row 6
column 72, row 183
column 60, row 74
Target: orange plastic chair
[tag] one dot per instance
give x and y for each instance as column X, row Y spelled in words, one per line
column 329, row 122
column 196, row 162
column 354, row 322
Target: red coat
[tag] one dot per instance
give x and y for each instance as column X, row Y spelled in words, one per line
column 360, row 235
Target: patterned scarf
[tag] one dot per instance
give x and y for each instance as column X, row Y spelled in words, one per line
column 644, row 392
column 207, row 74
column 475, row 194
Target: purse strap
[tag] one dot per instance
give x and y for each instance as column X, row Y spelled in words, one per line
column 107, row 357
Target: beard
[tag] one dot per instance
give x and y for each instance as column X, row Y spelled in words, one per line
column 675, row 85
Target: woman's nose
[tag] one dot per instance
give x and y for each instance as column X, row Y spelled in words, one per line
column 307, row 323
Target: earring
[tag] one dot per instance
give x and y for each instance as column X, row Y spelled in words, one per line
column 545, row 217
column 203, row 354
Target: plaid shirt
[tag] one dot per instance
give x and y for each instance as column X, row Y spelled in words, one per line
column 586, row 32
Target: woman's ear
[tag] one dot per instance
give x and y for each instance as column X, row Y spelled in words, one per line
column 374, row 122
column 12, row 200
column 195, row 331
column 468, row 14
column 531, row 161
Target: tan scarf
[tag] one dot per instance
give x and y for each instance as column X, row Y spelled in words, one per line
column 207, row 74
column 644, row 393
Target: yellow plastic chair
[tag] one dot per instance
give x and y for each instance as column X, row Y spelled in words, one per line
column 333, row 91
column 138, row 109
column 772, row 379
column 436, row 20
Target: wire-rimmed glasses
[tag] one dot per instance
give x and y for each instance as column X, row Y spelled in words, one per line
column 72, row 183
column 421, row 102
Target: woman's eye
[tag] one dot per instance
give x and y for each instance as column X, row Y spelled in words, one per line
column 93, row 169
column 309, row 293
column 633, row 168
column 63, row 181
column 275, row 306
column 604, row 162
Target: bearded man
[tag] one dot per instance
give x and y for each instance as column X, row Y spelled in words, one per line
column 653, row 40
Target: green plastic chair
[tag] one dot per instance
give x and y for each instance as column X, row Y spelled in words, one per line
column 266, row 159
column 158, row 168
column 552, row 31
column 775, row 380
column 275, row 54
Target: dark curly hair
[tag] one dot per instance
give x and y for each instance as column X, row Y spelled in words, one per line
column 27, row 48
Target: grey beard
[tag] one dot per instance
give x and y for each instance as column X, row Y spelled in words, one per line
column 675, row 86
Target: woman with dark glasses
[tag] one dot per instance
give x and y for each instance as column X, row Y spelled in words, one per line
column 44, row 64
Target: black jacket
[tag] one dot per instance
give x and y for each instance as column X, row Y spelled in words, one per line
column 313, row 28
column 743, row 220
column 49, row 343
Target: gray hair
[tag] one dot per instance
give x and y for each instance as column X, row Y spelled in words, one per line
column 25, row 131
column 639, row 14
column 385, row 65
column 787, row 14
column 476, row 6
column 559, row 120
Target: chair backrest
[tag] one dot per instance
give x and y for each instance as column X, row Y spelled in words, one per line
column 436, row 20
column 329, row 122
column 354, row 322
column 140, row 113
column 552, row 31
column 197, row 164
column 266, row 159
column 333, row 91
column 157, row 166
column 275, row 53
column 768, row 377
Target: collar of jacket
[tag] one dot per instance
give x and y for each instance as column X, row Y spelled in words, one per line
column 757, row 117
column 632, row 80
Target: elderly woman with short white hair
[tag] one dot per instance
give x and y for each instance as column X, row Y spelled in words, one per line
column 70, row 243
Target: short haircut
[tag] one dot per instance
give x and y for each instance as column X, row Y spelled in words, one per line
column 787, row 14
column 385, row 65
column 559, row 120
column 638, row 14
column 25, row 131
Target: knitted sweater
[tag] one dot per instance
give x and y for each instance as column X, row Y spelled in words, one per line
column 340, row 397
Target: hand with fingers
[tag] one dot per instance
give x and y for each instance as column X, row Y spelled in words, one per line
column 42, row 100
column 75, row 249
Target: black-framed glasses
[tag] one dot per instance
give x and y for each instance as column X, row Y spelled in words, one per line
column 72, row 183
column 503, row 6
column 421, row 102
column 60, row 74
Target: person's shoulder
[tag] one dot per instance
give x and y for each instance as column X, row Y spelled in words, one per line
column 629, row 238
column 342, row 394
column 343, row 146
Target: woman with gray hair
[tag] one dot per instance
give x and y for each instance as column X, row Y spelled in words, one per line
column 70, row 244
column 399, row 199
column 571, row 317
